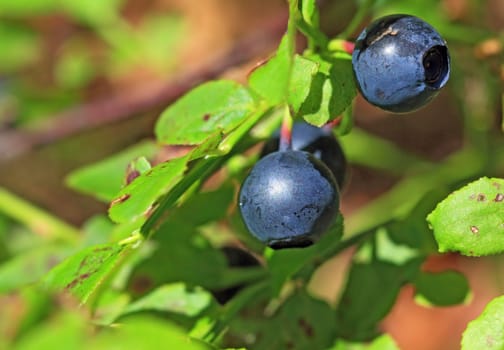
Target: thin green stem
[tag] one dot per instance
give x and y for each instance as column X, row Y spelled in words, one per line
column 244, row 298
column 238, row 276
column 37, row 220
column 357, row 19
column 291, row 26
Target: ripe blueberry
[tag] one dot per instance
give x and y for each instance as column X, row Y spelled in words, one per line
column 400, row 63
column 289, row 199
column 318, row 141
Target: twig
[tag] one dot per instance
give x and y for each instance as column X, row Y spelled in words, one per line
column 39, row 221
column 140, row 99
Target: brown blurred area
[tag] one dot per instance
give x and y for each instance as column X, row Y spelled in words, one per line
column 213, row 28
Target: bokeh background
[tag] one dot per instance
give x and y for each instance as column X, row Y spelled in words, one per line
column 84, row 79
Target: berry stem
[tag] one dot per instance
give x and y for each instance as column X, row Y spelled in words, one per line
column 286, row 131
column 332, row 124
column 341, row 45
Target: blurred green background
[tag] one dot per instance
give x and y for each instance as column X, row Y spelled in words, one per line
column 84, row 79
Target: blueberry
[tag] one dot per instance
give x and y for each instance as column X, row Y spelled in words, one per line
column 318, row 141
column 289, row 199
column 400, row 63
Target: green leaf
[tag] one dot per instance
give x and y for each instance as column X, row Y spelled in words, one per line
column 383, row 342
column 285, row 263
column 105, row 178
column 146, row 333
column 83, row 273
column 271, row 79
column 28, row 267
column 486, row 331
column 191, row 260
column 471, row 220
column 388, row 250
column 309, row 11
column 413, row 230
column 65, row 330
column 442, row 289
column 370, row 293
column 303, row 72
column 136, row 199
column 217, row 106
column 196, row 211
column 175, row 298
column 331, row 92
column 302, row 322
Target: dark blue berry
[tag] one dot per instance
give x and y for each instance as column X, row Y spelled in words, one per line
column 289, row 199
column 400, row 63
column 318, row 141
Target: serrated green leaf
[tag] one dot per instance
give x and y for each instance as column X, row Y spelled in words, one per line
column 302, row 322
column 271, row 79
column 303, row 72
column 285, row 263
column 442, row 289
column 29, row 266
column 211, row 107
column 486, row 331
column 83, row 273
column 359, row 310
column 175, row 298
column 136, row 199
column 331, row 92
column 471, row 220
column 104, row 179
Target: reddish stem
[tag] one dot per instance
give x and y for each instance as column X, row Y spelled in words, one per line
column 349, row 47
column 285, row 135
column 332, row 124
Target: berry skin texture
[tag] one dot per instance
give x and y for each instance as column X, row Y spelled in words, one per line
column 318, row 141
column 400, row 63
column 289, row 199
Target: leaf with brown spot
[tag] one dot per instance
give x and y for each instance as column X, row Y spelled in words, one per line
column 470, row 219
column 486, row 331
column 83, row 273
column 217, row 105
column 30, row 266
column 146, row 189
column 104, row 179
column 305, row 323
